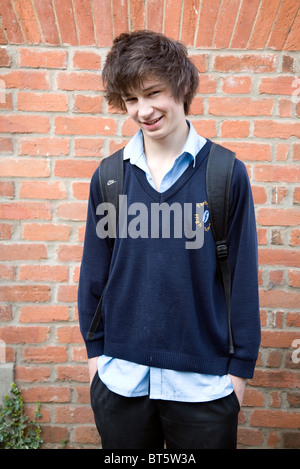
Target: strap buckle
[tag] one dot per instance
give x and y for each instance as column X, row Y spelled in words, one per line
column 222, row 251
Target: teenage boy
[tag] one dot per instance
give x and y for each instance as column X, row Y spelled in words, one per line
column 159, row 364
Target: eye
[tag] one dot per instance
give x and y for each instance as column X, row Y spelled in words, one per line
column 129, row 99
column 154, row 92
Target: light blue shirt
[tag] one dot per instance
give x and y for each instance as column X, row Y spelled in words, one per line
column 131, row 379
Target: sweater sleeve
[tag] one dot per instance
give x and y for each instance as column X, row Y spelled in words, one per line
column 243, row 259
column 93, row 272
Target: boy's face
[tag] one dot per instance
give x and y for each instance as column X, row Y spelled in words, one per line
column 154, row 109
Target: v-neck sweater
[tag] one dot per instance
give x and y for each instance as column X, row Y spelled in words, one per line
column 164, row 304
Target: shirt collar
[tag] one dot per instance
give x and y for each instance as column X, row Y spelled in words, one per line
column 134, row 150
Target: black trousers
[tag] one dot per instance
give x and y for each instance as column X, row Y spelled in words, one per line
column 143, row 423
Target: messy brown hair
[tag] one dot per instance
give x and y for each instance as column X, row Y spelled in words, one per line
column 135, row 57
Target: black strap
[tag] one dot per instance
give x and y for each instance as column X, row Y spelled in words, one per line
column 111, row 183
column 218, row 182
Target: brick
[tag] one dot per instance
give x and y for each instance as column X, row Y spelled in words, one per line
column 278, row 339
column 290, row 258
column 244, row 25
column 207, row 84
column 43, row 313
column 79, row 81
column 48, row 102
column 292, row 41
column 46, row 232
column 84, row 20
column 277, row 173
column 87, row 435
column 75, row 168
column 294, row 279
column 23, row 252
column 86, row 60
column 273, row 298
column 281, row 85
column 275, row 379
column 235, row 129
column 27, row 18
column 14, row 167
column 7, row 189
column 240, row 107
column 17, row 123
column 120, row 17
column 44, row 146
column 88, row 146
column 263, row 24
column 49, row 354
column 72, row 211
column 26, row 79
column 88, row 104
column 5, row 231
column 73, row 373
column 275, row 419
column 22, row 334
column 295, row 238
column 250, row 151
column 69, row 253
column 250, row 437
column 200, row 61
column 10, row 23
column 42, row 58
column 6, row 145
column 85, row 125
column 6, row 101
column 47, row 394
column 27, row 374
column 237, row 85
column 284, row 20
column 103, row 23
column 43, row 273
column 46, row 16
column 24, row 124
column 5, row 313
column 69, row 335
column 43, row 190
column 207, row 19
column 25, row 210
column 7, row 272
column 206, row 127
column 137, row 15
column 66, row 22
column 282, row 217
column 67, row 294
column 296, row 152
column 265, row 63
column 226, row 22
column 189, row 22
column 81, row 190
column 72, row 414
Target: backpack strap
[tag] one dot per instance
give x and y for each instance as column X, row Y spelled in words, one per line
column 218, row 182
column 111, row 174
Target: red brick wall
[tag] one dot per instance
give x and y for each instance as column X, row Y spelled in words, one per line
column 55, row 127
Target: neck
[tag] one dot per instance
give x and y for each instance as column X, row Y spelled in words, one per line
column 167, row 148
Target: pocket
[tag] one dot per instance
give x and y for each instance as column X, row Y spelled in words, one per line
column 93, row 383
column 236, row 401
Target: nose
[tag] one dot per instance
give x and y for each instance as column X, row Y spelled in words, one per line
column 145, row 110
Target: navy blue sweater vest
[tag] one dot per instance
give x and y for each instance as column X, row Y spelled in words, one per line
column 164, row 304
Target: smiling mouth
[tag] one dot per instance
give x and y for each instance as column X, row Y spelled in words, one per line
column 152, row 122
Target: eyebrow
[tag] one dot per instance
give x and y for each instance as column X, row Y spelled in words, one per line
column 145, row 90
